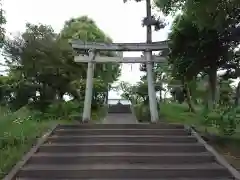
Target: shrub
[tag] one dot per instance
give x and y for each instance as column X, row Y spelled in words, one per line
column 227, row 124
column 225, row 119
column 142, row 112
column 64, row 110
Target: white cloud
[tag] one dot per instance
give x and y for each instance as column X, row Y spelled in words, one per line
column 122, row 22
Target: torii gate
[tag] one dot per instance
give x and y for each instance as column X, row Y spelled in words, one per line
column 93, row 58
column 147, row 48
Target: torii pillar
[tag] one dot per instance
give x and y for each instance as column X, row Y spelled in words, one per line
column 151, row 89
column 89, row 89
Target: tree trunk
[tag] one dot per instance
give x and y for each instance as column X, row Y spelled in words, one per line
column 106, row 97
column 61, row 94
column 146, row 100
column 188, row 98
column 212, row 80
column 237, row 98
column 160, row 94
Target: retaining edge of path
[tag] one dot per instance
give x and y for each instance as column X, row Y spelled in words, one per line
column 219, row 158
column 17, row 167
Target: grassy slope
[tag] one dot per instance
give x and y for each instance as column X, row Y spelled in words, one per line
column 18, row 132
column 228, row 146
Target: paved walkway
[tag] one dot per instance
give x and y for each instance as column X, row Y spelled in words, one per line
column 120, row 118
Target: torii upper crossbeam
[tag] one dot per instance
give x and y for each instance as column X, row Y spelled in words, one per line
column 155, row 46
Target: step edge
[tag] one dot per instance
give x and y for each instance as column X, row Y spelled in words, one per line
column 39, row 154
column 194, row 144
column 132, row 129
column 119, row 136
column 124, row 166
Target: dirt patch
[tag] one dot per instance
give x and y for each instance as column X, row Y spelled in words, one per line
column 228, row 147
column 230, row 152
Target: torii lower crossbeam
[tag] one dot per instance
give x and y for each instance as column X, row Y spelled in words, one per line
column 105, row 59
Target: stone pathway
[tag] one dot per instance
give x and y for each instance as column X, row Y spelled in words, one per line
column 120, row 118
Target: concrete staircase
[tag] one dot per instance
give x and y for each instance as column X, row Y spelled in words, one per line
column 122, row 151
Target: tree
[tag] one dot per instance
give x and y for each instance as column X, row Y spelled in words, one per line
column 194, row 50
column 203, row 40
column 214, row 14
column 35, row 60
column 42, row 67
column 85, row 29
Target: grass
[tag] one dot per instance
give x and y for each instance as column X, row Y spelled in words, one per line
column 18, row 133
column 178, row 113
column 227, row 145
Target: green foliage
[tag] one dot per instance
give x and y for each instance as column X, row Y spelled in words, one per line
column 209, row 118
column 203, row 38
column 201, row 50
column 225, row 120
column 170, row 6
column 225, row 116
column 226, row 93
column 83, row 28
column 213, row 14
column 64, row 110
column 142, row 112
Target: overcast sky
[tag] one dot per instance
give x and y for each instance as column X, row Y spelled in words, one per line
column 122, row 22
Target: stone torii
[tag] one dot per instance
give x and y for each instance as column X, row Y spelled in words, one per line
column 93, row 58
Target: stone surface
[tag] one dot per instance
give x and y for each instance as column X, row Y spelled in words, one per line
column 120, row 118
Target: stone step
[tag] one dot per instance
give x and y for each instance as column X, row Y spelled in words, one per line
column 209, row 170
column 163, row 132
column 129, row 179
column 122, row 138
column 115, row 158
column 123, row 126
column 122, row 147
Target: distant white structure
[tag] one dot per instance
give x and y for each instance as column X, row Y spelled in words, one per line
column 122, row 101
